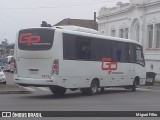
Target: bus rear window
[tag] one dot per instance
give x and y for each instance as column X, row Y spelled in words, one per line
column 35, row 39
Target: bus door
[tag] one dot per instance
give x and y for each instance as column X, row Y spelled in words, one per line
column 120, row 56
column 140, row 64
column 132, row 58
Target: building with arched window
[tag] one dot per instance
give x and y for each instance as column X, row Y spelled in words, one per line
column 138, row 20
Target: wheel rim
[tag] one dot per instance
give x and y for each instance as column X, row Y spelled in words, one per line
column 94, row 88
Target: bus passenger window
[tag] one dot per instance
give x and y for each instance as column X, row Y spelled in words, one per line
column 118, row 55
column 85, row 49
column 132, row 58
column 69, row 47
column 102, row 49
column 119, row 52
column 78, row 48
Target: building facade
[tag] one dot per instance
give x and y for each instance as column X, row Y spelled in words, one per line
column 138, row 20
column 79, row 22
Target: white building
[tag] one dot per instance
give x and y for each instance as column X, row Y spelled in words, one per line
column 138, row 20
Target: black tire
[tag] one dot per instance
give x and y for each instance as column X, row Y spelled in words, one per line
column 93, row 89
column 84, row 90
column 73, row 89
column 127, row 87
column 134, row 86
column 4, row 83
column 58, row 91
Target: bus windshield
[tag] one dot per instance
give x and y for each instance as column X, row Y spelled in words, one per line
column 35, row 39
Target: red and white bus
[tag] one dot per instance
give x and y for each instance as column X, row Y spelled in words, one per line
column 70, row 57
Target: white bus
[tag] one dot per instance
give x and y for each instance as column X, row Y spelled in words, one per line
column 9, row 64
column 77, row 58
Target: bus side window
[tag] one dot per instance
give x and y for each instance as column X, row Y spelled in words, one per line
column 69, row 47
column 132, row 57
column 139, row 56
column 102, row 49
column 85, row 49
column 78, row 47
column 119, row 52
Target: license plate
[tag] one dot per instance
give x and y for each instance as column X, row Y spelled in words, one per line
column 33, row 71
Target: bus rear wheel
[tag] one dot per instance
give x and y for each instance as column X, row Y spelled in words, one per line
column 92, row 90
column 58, row 91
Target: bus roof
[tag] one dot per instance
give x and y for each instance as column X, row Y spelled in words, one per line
column 91, row 33
column 71, row 29
column 77, row 28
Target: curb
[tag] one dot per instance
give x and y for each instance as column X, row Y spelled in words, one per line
column 13, row 89
column 15, row 92
column 151, row 87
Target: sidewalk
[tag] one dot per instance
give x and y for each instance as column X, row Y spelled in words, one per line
column 156, row 86
column 13, row 89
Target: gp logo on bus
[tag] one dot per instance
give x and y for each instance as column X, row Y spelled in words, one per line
column 107, row 64
column 28, row 38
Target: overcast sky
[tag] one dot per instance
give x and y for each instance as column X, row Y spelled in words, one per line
column 19, row 14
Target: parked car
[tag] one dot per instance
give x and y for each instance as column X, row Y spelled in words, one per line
column 2, row 63
column 9, row 64
column 2, row 77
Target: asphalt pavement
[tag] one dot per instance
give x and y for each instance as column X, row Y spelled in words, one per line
column 110, row 100
column 11, row 87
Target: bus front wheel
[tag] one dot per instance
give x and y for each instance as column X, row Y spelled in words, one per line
column 58, row 91
column 134, row 86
